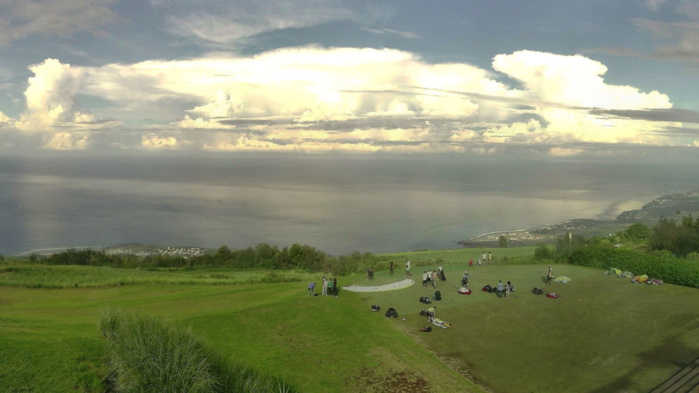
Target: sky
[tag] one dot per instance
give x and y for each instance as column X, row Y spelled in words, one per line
column 552, row 78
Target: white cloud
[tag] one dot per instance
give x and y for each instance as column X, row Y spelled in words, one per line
column 562, row 151
column 307, row 99
column 573, row 81
column 26, row 18
column 507, row 132
column 567, row 87
column 6, row 121
column 66, row 141
column 155, row 142
column 50, row 95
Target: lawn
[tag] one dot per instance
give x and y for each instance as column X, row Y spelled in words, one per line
column 459, row 256
column 602, row 334
column 71, row 276
column 49, row 340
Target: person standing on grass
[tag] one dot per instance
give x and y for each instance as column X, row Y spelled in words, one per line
column 464, row 279
column 484, row 258
column 407, row 268
column 490, row 257
column 330, row 287
column 335, row 289
column 549, row 276
column 500, row 288
column 311, row 289
column 325, row 286
column 424, row 279
column 390, row 267
column 434, row 279
column 508, row 288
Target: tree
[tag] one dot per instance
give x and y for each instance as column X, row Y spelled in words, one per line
column 542, row 251
column 502, row 241
column 223, row 255
column 678, row 238
column 638, row 231
column 568, row 243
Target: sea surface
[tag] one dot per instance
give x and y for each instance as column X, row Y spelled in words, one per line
column 337, row 203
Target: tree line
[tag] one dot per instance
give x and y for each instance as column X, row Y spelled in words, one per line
column 262, row 256
column 672, row 237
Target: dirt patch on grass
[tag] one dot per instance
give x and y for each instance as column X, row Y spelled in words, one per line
column 392, row 382
column 462, row 367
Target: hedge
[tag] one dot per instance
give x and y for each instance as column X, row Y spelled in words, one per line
column 670, row 270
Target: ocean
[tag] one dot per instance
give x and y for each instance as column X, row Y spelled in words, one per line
column 336, row 203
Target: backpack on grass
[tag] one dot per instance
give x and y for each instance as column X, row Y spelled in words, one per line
column 391, row 313
column 437, row 295
column 375, row 307
column 538, row 291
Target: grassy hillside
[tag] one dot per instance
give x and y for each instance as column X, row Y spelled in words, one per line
column 49, row 339
column 603, row 334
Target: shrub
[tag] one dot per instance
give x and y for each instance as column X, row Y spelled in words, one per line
column 667, row 268
column 542, row 251
column 148, row 355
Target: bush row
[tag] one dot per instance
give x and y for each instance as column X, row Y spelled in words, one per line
column 669, row 269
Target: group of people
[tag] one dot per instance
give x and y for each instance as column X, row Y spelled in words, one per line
column 504, row 289
column 485, row 259
column 430, row 277
column 329, row 287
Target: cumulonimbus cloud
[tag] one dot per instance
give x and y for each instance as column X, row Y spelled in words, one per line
column 353, row 99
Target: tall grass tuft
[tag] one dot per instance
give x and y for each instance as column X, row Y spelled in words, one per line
column 148, row 355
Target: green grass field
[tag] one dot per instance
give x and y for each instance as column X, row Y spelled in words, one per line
column 45, row 276
column 50, row 342
column 459, row 256
column 602, row 335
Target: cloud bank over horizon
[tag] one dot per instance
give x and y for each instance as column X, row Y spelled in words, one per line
column 340, row 99
column 330, row 76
